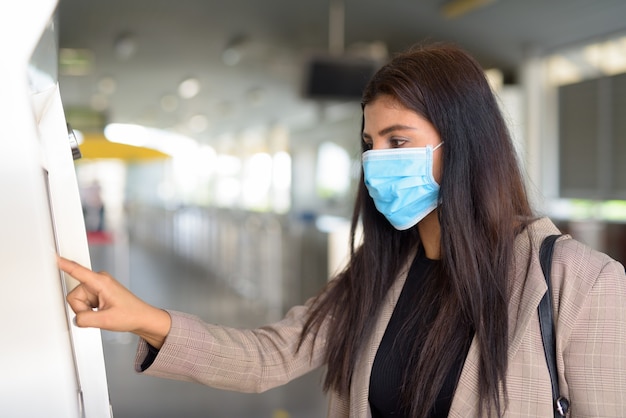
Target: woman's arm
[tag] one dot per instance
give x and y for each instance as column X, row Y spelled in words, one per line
column 244, row 360
column 191, row 349
column 100, row 301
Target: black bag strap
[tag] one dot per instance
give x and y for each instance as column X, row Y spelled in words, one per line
column 561, row 404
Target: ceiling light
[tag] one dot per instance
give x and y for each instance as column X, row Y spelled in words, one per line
column 99, row 102
column 198, row 123
column 189, row 88
column 125, row 45
column 107, row 85
column 169, row 103
column 141, row 136
column 610, row 56
column 562, row 71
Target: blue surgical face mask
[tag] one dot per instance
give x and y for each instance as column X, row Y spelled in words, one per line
column 401, row 182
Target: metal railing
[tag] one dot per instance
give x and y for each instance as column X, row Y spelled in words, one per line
column 271, row 259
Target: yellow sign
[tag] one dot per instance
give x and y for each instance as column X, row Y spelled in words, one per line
column 96, row 146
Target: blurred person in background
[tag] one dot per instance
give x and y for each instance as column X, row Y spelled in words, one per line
column 93, row 206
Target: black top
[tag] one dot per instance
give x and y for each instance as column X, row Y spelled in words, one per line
column 390, row 362
column 150, row 357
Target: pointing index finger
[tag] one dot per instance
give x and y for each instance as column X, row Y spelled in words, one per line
column 75, row 270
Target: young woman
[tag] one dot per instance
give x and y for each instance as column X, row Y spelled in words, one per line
column 436, row 313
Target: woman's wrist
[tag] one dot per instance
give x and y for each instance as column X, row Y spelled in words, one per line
column 156, row 326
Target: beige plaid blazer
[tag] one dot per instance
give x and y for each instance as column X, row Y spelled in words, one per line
column 589, row 298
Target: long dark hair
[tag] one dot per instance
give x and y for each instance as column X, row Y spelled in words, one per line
column 483, row 206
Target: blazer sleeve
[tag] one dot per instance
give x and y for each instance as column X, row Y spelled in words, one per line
column 591, row 330
column 235, row 359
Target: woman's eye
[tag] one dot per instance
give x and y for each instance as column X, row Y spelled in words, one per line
column 367, row 145
column 397, row 142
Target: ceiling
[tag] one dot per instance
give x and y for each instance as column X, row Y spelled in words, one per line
column 143, row 49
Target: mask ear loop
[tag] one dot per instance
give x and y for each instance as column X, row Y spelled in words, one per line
column 432, row 151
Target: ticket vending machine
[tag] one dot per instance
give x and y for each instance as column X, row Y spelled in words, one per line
column 48, row 366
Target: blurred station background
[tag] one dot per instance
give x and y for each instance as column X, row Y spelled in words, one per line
column 220, row 148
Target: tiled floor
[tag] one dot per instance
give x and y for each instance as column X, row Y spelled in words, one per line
column 164, row 281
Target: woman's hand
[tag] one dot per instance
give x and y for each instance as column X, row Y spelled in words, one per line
column 99, row 301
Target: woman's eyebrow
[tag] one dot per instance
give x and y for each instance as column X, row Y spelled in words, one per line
column 390, row 129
